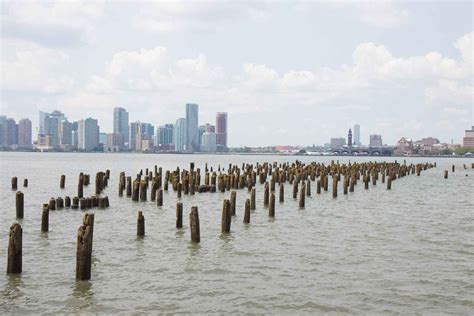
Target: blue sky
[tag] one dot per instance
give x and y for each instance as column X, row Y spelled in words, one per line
column 295, row 72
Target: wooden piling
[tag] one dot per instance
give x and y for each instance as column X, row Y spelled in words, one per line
column 14, row 183
column 226, row 217
column 334, row 187
column 67, row 201
column 318, row 187
column 282, row 193
column 271, row 206
column 453, row 168
column 233, row 201
column 15, row 245
column 45, row 218
column 19, row 198
column 62, row 181
column 143, row 189
column 179, row 215
column 302, row 196
column 140, row 224
column 84, row 248
column 253, row 205
column 445, row 174
column 194, row 225
column 52, row 204
column 159, row 197
column 389, row 182
column 247, row 212
column 266, row 195
column 25, row 183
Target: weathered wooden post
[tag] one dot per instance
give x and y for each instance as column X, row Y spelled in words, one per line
column 453, row 168
column 247, row 212
column 308, row 187
column 179, row 190
column 445, row 174
column 271, row 206
column 179, row 215
column 318, row 187
column 266, row 195
column 45, row 218
column 135, row 190
column 143, row 188
column 67, row 201
column 226, row 217
column 25, row 183
column 14, row 183
column 80, row 188
column 302, row 196
column 62, row 181
column 282, row 193
column 129, row 186
column 84, row 248
column 52, row 204
column 334, row 186
column 233, row 201
column 344, row 185
column 389, row 182
column 194, row 224
column 159, row 197
column 140, row 224
column 253, row 205
column 352, row 181
column 15, row 245
column 59, row 203
column 295, row 189
column 19, row 204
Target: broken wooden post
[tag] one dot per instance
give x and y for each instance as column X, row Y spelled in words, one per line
column 282, row 193
column 84, row 248
column 233, row 198
column 140, row 224
column 247, row 212
column 308, row 187
column 143, row 188
column 253, row 205
column 15, row 245
column 302, row 196
column 62, row 181
column 179, row 215
column 52, row 204
column 334, row 186
column 389, row 182
column 266, row 195
column 194, row 224
column 45, row 218
column 271, row 207
column 226, row 217
column 453, row 168
column 67, row 201
column 14, row 183
column 318, row 187
column 25, row 183
column 19, row 197
column 445, row 174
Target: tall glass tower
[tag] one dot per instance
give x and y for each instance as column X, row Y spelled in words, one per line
column 192, row 127
column 180, row 135
column 121, row 124
column 357, row 135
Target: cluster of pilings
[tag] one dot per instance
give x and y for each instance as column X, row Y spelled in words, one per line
column 274, row 176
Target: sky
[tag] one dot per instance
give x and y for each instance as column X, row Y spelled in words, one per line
column 287, row 72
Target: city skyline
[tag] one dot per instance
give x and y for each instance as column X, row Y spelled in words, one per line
column 374, row 70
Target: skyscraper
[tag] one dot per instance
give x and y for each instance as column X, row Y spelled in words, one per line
column 208, row 142
column 49, row 124
column 3, row 120
column 357, row 135
column 221, row 130
column 180, row 135
column 375, row 141
column 164, row 135
column 121, row 124
column 88, row 134
column 134, row 132
column 65, row 134
column 10, row 132
column 192, row 130
column 24, row 133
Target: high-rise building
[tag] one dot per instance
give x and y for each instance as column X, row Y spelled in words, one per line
column 88, row 134
column 164, row 135
column 121, row 124
column 208, row 142
column 134, row 131
column 221, row 129
column 180, row 135
column 192, row 130
column 3, row 120
column 349, row 138
column 338, row 142
column 24, row 133
column 375, row 141
column 468, row 139
column 49, row 124
column 65, row 134
column 357, row 135
column 138, row 132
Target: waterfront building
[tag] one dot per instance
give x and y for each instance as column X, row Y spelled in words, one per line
column 192, row 130
column 10, row 132
column 404, row 147
column 208, row 142
column 468, row 139
column 88, row 134
column 338, row 142
column 357, row 135
column 24, row 133
column 221, row 130
column 44, row 142
column 375, row 141
column 121, row 125
column 164, row 135
column 180, row 135
column 65, row 134
column 114, row 142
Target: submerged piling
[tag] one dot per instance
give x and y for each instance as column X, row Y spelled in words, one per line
column 84, row 248
column 194, row 225
column 15, row 246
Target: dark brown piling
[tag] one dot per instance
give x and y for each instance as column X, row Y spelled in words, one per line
column 453, row 168
column 45, row 218
column 282, row 193
column 140, row 224
column 194, row 224
column 52, row 204
column 233, row 201
column 308, row 187
column 266, row 194
column 302, row 196
column 389, row 182
column 344, row 185
column 84, row 248
column 15, row 245
column 318, row 187
column 62, row 181
column 19, row 197
column 179, row 190
column 129, row 186
column 247, row 212
column 445, row 174
column 295, row 189
column 75, row 202
column 59, row 203
column 253, row 205
column 226, row 217
column 271, row 206
column 14, row 183
column 25, row 183
column 67, row 201
column 334, row 187
column 159, row 197
column 80, row 188
column 143, row 188
column 179, row 215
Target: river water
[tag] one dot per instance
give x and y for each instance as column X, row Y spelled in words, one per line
column 405, row 251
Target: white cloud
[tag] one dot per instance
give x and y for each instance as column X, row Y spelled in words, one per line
column 464, row 45
column 384, row 14
column 171, row 16
column 448, row 92
column 35, row 69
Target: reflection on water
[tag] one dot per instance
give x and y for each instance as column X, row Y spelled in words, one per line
column 404, row 251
